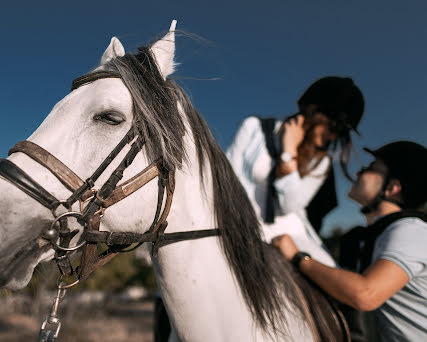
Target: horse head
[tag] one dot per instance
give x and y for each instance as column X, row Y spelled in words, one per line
column 80, row 132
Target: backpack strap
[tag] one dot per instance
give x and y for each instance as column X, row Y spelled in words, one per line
column 372, row 232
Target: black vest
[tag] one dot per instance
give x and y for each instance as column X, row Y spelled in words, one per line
column 357, row 245
column 322, row 203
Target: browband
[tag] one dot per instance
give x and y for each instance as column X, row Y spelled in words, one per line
column 93, row 76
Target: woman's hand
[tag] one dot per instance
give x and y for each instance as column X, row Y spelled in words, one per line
column 286, row 246
column 293, row 134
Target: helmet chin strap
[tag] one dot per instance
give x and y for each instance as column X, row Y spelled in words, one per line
column 373, row 205
column 380, row 197
column 369, row 208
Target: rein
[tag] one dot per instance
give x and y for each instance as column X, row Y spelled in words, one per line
column 93, row 203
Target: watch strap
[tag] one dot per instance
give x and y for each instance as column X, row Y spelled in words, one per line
column 300, row 256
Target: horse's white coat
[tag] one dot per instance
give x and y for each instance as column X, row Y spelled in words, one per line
column 203, row 299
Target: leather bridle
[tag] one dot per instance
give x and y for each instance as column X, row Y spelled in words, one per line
column 94, row 202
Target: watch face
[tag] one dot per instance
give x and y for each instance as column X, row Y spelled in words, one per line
column 286, row 157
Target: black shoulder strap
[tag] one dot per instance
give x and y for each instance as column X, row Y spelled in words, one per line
column 267, row 125
column 323, row 202
column 350, row 248
column 371, row 233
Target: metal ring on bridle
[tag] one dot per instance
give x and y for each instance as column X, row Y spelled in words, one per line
column 62, row 202
column 52, row 226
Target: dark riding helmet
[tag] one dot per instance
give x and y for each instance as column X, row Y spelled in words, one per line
column 339, row 99
column 407, row 162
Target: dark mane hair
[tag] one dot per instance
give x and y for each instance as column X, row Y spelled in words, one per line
column 265, row 278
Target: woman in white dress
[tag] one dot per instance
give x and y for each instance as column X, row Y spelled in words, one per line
column 286, row 165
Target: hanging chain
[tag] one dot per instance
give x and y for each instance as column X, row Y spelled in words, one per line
column 50, row 327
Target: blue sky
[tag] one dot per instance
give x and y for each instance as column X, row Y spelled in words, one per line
column 255, row 57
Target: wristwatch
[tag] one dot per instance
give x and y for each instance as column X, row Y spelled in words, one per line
column 286, row 157
column 300, row 256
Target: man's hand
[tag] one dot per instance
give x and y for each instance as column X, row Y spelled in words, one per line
column 286, row 246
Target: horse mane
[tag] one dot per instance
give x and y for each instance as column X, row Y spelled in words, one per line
column 265, row 278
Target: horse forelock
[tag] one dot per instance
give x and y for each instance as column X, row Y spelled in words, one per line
column 156, row 116
column 264, row 280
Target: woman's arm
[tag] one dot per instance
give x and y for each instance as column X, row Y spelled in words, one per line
column 292, row 137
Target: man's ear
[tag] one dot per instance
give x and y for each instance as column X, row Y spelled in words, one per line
column 394, row 189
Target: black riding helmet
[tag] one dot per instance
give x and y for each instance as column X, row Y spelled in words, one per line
column 407, row 162
column 339, row 99
column 342, row 102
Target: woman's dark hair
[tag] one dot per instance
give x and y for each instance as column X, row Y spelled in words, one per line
column 307, row 150
column 339, row 99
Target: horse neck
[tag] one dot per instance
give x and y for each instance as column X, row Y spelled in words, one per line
column 188, row 272
column 192, row 206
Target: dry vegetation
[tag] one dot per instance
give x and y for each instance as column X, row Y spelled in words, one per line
column 115, row 305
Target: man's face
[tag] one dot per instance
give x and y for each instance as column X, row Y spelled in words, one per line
column 369, row 183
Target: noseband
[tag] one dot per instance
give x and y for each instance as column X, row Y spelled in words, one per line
column 93, row 202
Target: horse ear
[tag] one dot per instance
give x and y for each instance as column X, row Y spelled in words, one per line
column 115, row 49
column 164, row 50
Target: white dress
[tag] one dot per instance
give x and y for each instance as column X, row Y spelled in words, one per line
column 252, row 163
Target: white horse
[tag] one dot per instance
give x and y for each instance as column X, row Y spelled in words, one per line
column 230, row 287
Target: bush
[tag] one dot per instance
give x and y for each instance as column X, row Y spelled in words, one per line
column 122, row 271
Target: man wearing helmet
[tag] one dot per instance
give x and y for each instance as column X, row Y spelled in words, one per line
column 393, row 248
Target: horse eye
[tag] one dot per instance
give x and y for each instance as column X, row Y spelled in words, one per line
column 109, row 118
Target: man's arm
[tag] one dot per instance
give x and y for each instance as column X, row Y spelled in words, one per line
column 364, row 292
